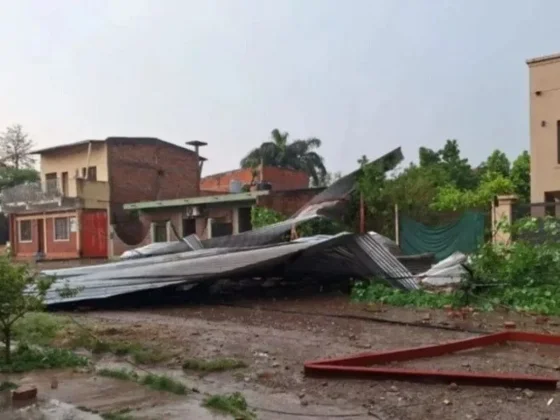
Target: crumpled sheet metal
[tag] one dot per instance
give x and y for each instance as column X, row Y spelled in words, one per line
column 347, row 254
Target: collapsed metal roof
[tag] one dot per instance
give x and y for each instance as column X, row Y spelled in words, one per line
column 258, row 253
column 346, row 254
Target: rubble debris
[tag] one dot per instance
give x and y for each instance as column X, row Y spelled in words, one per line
column 24, row 393
column 447, row 272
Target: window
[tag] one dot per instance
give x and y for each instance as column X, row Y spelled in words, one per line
column 61, row 229
column 558, row 141
column 65, row 183
column 92, row 173
column 84, row 172
column 160, row 232
column 51, row 183
column 25, row 234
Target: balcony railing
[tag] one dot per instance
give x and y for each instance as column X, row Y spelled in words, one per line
column 32, row 192
column 53, row 191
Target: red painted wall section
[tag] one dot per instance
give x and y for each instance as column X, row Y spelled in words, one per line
column 61, row 249
column 93, row 232
column 55, row 250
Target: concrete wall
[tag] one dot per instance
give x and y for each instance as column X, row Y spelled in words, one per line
column 94, row 194
column 72, row 160
column 544, row 82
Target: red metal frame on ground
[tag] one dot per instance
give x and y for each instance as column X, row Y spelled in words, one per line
column 361, row 365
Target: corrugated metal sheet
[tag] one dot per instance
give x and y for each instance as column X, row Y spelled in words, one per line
column 344, row 254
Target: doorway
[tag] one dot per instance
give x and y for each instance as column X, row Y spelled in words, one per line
column 189, row 227
column 41, row 236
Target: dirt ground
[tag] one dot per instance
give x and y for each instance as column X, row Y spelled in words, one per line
column 275, row 338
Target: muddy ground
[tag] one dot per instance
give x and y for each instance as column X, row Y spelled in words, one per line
column 275, row 337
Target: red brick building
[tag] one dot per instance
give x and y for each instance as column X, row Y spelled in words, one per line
column 279, row 178
column 77, row 208
column 215, row 215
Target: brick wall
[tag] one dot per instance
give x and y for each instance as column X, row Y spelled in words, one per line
column 55, row 250
column 288, row 202
column 280, row 178
column 285, row 179
column 146, row 169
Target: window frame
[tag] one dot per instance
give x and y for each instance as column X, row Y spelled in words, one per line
column 25, row 241
column 160, row 224
column 55, row 239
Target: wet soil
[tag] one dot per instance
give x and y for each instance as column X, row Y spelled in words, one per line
column 276, row 336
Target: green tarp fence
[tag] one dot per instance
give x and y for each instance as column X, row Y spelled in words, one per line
column 464, row 235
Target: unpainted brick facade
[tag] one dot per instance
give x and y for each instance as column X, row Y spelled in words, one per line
column 148, row 169
column 280, row 178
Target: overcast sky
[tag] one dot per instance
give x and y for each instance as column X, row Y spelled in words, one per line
column 362, row 75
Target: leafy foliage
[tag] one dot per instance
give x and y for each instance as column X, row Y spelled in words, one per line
column 520, row 176
column 450, row 197
column 26, row 358
column 21, row 292
column 263, row 216
column 377, row 291
column 298, row 155
column 523, row 275
column 10, row 177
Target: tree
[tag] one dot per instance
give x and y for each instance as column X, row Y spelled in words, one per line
column 15, row 147
column 497, row 163
column 458, row 170
column 449, row 197
column 521, row 176
column 298, row 155
column 21, row 292
column 10, row 177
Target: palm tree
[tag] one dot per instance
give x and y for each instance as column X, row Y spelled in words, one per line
column 298, row 155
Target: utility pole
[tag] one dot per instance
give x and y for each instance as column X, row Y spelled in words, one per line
column 197, row 144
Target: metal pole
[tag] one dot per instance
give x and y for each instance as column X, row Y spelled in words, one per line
column 397, row 230
column 362, row 215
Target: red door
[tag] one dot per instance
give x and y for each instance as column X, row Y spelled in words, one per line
column 94, row 234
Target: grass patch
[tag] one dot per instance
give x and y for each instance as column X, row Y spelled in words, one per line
column 117, row 415
column 121, row 374
column 38, row 328
column 138, row 353
column 233, row 404
column 152, row 381
column 26, row 358
column 213, row 365
column 6, row 385
column 164, row 383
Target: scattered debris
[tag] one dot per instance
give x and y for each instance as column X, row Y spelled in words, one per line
column 447, row 272
column 528, row 393
column 24, row 393
column 364, row 364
